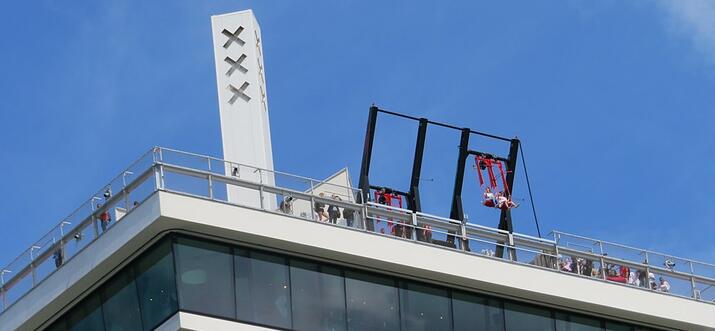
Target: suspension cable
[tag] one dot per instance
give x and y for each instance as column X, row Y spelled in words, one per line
column 528, row 185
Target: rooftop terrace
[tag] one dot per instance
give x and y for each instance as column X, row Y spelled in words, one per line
column 204, row 177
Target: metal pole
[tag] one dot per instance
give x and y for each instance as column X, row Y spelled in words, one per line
column 32, row 266
column 211, row 187
column 603, row 262
column 3, row 290
column 556, row 252
column 364, row 218
column 692, row 280
column 465, row 237
column 367, row 156
column 647, row 271
column 413, row 201
column 457, row 211
column 161, row 176
column 157, row 177
column 312, row 208
column 505, row 217
column 260, row 188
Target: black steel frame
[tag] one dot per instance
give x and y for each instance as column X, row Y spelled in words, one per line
column 412, row 196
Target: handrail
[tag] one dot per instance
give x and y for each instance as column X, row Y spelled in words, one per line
column 546, row 252
column 555, row 232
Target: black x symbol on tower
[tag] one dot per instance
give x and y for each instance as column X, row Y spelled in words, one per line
column 236, row 65
column 238, row 93
column 233, row 37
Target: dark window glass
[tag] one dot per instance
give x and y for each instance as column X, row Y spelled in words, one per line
column 572, row 322
column 475, row 313
column 120, row 304
column 59, row 325
column 263, row 288
column 372, row 302
column 205, row 277
column 155, row 281
column 317, row 296
column 522, row 317
column 424, row 307
column 87, row 316
column 614, row 326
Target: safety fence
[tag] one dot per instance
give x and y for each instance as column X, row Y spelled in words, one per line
column 333, row 204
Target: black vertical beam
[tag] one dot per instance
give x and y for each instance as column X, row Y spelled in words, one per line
column 505, row 219
column 414, row 202
column 457, row 212
column 366, row 157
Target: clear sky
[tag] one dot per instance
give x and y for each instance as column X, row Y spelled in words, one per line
column 613, row 100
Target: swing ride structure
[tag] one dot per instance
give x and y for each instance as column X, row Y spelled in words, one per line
column 495, row 174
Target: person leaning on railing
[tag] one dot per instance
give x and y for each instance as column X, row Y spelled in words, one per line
column 334, row 211
column 286, row 205
column 104, row 218
column 349, row 216
column 319, row 208
column 664, row 285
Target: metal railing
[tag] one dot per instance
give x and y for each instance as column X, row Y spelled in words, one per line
column 332, row 204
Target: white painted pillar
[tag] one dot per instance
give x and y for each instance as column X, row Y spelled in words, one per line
column 243, row 105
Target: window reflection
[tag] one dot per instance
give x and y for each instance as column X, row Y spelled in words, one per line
column 522, row 317
column 573, row 322
column 205, row 277
column 318, row 297
column 372, row 302
column 87, row 316
column 263, row 288
column 425, row 307
column 476, row 313
column 120, row 304
column 276, row 290
column 613, row 326
column 156, row 285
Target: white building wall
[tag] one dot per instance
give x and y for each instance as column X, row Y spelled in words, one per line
column 243, row 102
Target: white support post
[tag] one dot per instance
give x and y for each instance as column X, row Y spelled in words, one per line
column 603, row 262
column 242, row 99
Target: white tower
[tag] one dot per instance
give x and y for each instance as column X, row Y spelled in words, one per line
column 243, row 106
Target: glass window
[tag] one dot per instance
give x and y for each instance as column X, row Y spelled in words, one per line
column 156, row 284
column 120, row 305
column 527, row 317
column 87, row 316
column 205, row 277
column 424, row 307
column 59, row 325
column 476, row 313
column 317, row 296
column 572, row 322
column 263, row 288
column 372, row 302
column 614, row 326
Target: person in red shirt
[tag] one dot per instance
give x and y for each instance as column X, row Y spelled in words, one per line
column 104, row 219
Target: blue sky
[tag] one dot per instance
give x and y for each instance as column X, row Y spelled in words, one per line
column 613, row 101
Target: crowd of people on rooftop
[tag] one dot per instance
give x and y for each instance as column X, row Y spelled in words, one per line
column 615, row 273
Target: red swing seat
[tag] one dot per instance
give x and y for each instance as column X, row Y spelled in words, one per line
column 488, row 163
